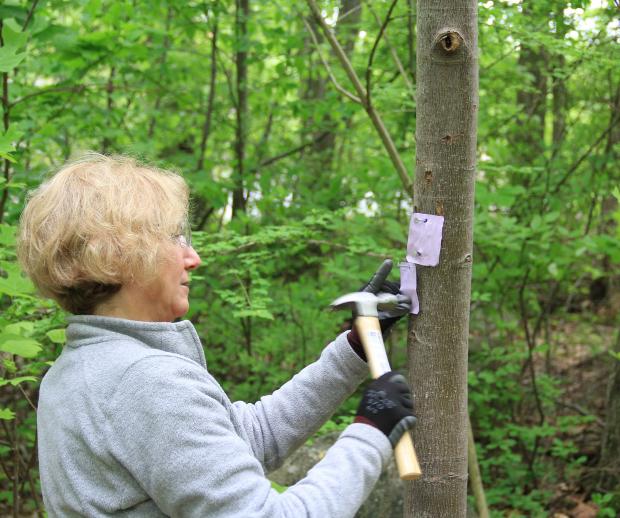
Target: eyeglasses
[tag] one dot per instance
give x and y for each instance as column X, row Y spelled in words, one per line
column 184, row 235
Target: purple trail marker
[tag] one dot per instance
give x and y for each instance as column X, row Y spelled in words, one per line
column 408, row 285
column 424, row 242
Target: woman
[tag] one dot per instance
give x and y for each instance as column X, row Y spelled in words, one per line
column 130, row 422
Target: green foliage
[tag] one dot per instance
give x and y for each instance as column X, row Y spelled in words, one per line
column 324, row 204
column 604, row 503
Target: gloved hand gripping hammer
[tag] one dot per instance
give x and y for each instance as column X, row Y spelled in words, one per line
column 369, row 330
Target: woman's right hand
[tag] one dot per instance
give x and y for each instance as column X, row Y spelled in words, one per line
column 387, row 405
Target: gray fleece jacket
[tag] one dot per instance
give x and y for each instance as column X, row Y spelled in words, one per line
column 131, row 423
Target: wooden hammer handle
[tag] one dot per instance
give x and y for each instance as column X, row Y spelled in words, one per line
column 370, row 333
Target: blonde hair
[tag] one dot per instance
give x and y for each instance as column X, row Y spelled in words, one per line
column 99, row 222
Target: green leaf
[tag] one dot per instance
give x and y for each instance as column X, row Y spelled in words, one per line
column 9, row 365
column 19, row 345
column 17, row 381
column 7, row 414
column 7, row 234
column 15, row 284
column 22, row 328
column 57, row 336
column 9, row 59
column 13, row 11
column 278, row 487
column 13, row 36
column 7, row 142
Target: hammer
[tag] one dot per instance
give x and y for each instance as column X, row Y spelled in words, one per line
column 367, row 322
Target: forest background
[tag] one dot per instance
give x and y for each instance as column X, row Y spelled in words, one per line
column 295, row 201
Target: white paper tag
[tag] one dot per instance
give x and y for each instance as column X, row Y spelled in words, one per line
column 424, row 241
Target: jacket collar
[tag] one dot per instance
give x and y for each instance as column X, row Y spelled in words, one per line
column 173, row 337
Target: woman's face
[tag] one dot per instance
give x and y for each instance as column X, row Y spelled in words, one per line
column 166, row 298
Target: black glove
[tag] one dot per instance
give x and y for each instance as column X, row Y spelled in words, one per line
column 388, row 406
column 387, row 318
column 379, row 284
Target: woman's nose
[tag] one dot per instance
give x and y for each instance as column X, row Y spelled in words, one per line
column 192, row 259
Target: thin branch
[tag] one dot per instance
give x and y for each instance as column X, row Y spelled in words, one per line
column 371, row 57
column 588, row 152
column 29, row 15
column 349, row 12
column 582, row 412
column 261, row 146
column 32, row 405
column 511, row 50
column 393, row 53
column 475, row 479
column 297, row 149
column 388, row 143
column 51, row 90
column 229, row 81
column 335, row 82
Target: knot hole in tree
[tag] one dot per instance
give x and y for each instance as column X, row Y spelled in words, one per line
column 448, row 46
column 451, row 42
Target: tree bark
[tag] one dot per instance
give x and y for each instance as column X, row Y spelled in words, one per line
column 610, row 449
column 609, row 463
column 528, row 139
column 6, row 116
column 241, row 25
column 447, row 104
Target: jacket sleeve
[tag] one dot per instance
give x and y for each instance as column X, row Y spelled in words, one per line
column 169, row 427
column 281, row 422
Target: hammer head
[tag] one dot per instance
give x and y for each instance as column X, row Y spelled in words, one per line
column 364, row 303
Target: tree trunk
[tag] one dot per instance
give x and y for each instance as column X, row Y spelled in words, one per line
column 6, row 110
column 319, row 159
column 241, row 27
column 528, row 140
column 610, row 449
column 609, row 463
column 447, row 104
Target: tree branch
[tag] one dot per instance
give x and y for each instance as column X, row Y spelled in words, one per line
column 371, row 57
column 290, row 152
column 30, row 14
column 44, row 91
column 588, row 152
column 394, row 54
column 388, row 143
column 334, row 81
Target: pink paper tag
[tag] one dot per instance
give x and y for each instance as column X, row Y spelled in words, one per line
column 424, row 242
column 408, row 285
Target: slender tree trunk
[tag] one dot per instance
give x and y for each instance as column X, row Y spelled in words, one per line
column 206, row 127
column 241, row 24
column 559, row 103
column 320, row 157
column 411, row 21
column 528, row 139
column 447, row 104
column 6, row 116
column 162, row 67
column 107, row 142
column 609, row 463
column 610, row 450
